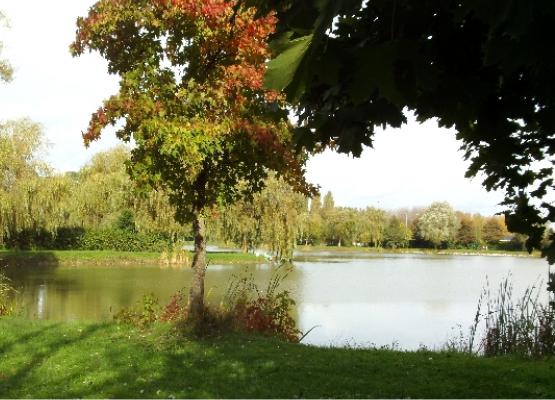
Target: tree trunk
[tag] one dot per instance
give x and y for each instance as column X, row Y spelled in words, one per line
column 196, row 294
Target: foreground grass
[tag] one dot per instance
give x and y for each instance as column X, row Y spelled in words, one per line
column 64, row 257
column 45, row 360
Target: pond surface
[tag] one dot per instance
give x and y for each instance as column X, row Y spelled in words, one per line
column 351, row 298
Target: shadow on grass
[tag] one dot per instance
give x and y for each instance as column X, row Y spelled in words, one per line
column 119, row 362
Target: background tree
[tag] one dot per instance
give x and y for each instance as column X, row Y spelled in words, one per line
column 375, row 223
column 20, row 170
column 484, row 68
column 438, row 224
column 282, row 211
column 192, row 98
column 6, row 71
column 466, row 235
column 397, row 234
column 315, row 222
column 494, row 230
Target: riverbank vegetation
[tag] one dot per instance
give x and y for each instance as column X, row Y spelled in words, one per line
column 44, row 360
column 98, row 208
column 77, row 257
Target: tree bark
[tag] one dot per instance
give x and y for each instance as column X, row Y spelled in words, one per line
column 196, row 294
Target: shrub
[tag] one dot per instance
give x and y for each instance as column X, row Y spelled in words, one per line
column 6, row 293
column 525, row 328
column 245, row 308
column 267, row 312
column 119, row 240
column 144, row 313
column 71, row 238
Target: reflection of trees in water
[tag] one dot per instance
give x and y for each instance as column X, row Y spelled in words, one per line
column 96, row 293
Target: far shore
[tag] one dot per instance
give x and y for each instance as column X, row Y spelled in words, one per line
column 98, row 257
column 223, row 257
column 306, row 250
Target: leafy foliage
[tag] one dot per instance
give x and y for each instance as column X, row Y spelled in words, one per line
column 438, row 224
column 484, row 68
column 245, row 308
column 6, row 292
column 267, row 312
column 192, row 98
column 144, row 313
column 6, row 71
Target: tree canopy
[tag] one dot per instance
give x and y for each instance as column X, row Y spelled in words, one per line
column 438, row 224
column 6, row 70
column 191, row 97
column 483, row 67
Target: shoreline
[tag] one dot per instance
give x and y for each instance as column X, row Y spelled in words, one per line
column 306, row 251
column 96, row 257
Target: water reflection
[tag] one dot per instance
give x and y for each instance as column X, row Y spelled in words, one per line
column 362, row 299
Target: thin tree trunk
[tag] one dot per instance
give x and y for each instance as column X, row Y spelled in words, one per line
column 196, row 294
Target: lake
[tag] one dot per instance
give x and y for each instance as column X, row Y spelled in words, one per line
column 352, row 298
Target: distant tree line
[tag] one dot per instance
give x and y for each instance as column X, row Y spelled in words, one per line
column 98, row 207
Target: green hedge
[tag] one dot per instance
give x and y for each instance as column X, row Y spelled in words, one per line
column 94, row 239
column 121, row 240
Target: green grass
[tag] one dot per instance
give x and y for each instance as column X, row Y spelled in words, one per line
column 65, row 257
column 44, row 360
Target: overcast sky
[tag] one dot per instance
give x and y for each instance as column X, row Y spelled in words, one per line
column 408, row 167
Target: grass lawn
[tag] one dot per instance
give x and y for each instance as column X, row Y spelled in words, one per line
column 59, row 257
column 39, row 359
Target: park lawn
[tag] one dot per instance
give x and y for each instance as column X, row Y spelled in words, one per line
column 66, row 257
column 42, row 359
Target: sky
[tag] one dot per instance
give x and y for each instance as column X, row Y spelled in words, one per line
column 409, row 167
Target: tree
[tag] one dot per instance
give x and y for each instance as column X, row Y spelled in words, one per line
column 6, row 71
column 192, row 98
column 282, row 210
column 375, row 223
column 20, row 170
column 397, row 233
column 466, row 234
column 328, row 203
column 315, row 222
column 483, row 67
column 438, row 224
column 494, row 230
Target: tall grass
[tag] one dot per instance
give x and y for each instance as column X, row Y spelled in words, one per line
column 245, row 307
column 6, row 295
column 503, row 325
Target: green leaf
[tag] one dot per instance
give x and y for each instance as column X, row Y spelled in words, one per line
column 282, row 69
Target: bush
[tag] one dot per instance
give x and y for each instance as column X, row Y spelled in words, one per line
column 142, row 315
column 120, row 240
column 267, row 312
column 6, row 293
column 245, row 308
column 95, row 239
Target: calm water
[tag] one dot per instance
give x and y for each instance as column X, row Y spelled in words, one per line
column 355, row 299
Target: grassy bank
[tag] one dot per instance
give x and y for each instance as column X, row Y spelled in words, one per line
column 66, row 257
column 306, row 250
column 78, row 360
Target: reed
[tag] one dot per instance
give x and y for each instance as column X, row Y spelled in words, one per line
column 505, row 326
